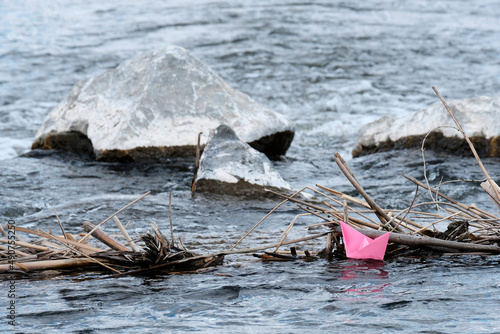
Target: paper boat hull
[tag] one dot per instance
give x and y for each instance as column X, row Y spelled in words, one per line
column 359, row 246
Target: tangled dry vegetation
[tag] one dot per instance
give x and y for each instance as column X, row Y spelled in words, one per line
column 469, row 230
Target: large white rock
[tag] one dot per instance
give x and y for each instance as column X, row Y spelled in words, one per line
column 230, row 166
column 479, row 117
column 160, row 99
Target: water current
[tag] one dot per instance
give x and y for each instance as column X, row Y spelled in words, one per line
column 331, row 67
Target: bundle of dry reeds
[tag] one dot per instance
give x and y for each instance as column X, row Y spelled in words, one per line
column 151, row 252
column 469, row 229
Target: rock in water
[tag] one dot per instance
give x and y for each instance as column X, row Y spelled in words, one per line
column 230, row 166
column 479, row 117
column 153, row 106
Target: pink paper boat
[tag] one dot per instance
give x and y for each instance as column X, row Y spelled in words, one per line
column 359, row 246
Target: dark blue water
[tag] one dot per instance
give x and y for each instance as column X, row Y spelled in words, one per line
column 331, row 67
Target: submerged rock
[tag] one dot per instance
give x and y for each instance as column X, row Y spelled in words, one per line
column 230, row 166
column 153, row 106
column 479, row 117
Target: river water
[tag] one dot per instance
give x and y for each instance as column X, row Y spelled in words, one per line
column 331, row 67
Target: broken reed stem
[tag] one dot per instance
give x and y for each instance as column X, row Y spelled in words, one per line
column 117, row 212
column 329, row 246
column 346, row 212
column 60, row 224
column 270, row 212
column 497, row 199
column 170, row 214
column 196, row 164
column 2, row 230
column 103, row 237
column 288, row 229
column 124, row 232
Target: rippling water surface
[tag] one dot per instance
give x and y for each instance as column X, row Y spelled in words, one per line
column 329, row 66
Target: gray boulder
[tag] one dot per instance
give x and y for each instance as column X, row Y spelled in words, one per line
column 230, row 166
column 153, row 106
column 479, row 117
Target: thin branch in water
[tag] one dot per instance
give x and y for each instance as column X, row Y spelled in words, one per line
column 60, row 225
column 270, row 212
column 170, row 216
column 117, row 212
column 497, row 198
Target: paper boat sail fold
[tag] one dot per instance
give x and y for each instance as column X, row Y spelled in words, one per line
column 359, row 246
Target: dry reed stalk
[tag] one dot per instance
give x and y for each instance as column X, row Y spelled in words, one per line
column 124, row 232
column 346, row 197
column 24, row 230
column 196, row 164
column 346, row 211
column 17, row 252
column 461, row 214
column 103, row 237
column 19, row 238
column 375, row 225
column 384, row 218
column 458, row 207
column 267, row 215
column 474, row 210
column 291, row 199
column 365, row 204
column 49, row 244
column 3, row 232
column 170, row 208
column 329, row 246
column 47, row 264
column 72, row 243
column 117, row 212
column 288, row 229
column 496, row 198
column 93, row 260
column 60, row 224
column 489, row 190
column 438, row 221
column 24, row 244
column 399, row 221
column 339, row 216
column 19, row 259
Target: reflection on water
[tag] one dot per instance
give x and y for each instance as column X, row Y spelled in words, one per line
column 365, row 270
